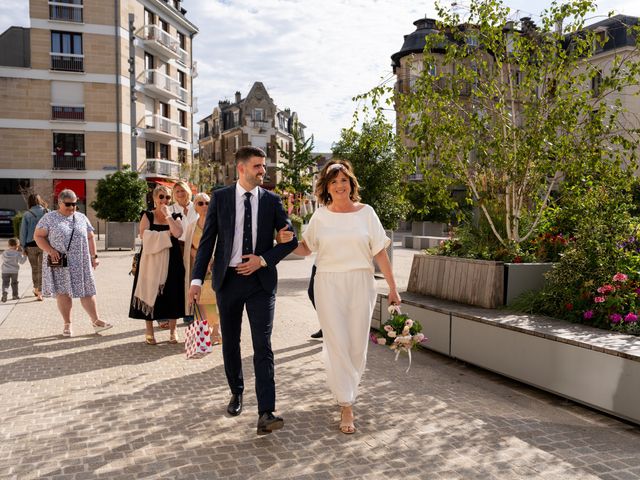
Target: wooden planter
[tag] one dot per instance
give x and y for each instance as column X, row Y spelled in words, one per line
column 474, row 282
column 483, row 283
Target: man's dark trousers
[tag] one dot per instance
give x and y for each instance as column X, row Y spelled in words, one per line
column 238, row 291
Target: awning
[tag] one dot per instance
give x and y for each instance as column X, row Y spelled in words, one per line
column 78, row 187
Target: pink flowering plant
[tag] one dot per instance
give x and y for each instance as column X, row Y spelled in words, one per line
column 614, row 305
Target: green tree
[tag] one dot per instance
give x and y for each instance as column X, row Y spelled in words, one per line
column 374, row 154
column 120, row 196
column 297, row 171
column 509, row 111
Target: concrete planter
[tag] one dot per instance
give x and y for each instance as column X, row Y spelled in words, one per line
column 429, row 229
column 520, row 278
column 121, row 235
column 594, row 367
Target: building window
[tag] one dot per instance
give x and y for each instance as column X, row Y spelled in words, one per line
column 182, row 115
column 182, row 155
column 258, row 114
column 236, row 118
column 183, row 41
column 596, row 82
column 182, row 77
column 13, row 186
column 236, row 143
column 149, row 65
column 164, row 25
column 66, row 52
column 164, row 151
column 68, row 151
column 150, row 149
column 67, row 113
column 164, row 110
column 71, row 12
column 149, row 17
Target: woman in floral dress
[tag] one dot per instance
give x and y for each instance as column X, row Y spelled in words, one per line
column 67, row 232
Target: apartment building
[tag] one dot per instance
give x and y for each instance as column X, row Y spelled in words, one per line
column 614, row 40
column 254, row 120
column 91, row 87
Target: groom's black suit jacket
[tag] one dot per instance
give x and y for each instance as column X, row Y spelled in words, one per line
column 219, row 231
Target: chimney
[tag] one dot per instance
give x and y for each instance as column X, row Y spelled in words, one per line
column 238, row 97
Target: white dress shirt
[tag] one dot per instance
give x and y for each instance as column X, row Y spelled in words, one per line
column 236, row 250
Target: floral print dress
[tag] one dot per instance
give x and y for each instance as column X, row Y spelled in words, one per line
column 75, row 280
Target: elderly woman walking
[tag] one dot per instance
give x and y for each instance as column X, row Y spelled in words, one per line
column 70, row 257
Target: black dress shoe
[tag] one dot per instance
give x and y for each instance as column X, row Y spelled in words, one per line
column 317, row 335
column 235, row 405
column 268, row 422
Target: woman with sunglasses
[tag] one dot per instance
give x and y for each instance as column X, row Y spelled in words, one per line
column 67, row 240
column 192, row 238
column 158, row 286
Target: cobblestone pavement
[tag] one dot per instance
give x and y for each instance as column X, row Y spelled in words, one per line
column 111, row 407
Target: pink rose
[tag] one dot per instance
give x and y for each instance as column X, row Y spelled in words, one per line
column 381, row 341
column 409, row 323
column 599, row 299
column 631, row 317
column 388, row 328
column 620, row 277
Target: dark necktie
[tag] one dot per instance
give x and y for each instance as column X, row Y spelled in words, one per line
column 247, row 237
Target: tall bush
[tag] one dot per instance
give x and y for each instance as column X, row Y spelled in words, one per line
column 120, row 197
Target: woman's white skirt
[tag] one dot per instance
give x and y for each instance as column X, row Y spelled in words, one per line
column 345, row 303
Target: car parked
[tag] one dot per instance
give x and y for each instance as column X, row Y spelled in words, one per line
column 6, row 222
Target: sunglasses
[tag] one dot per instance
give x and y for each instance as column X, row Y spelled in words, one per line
column 70, row 204
column 200, row 204
column 162, row 197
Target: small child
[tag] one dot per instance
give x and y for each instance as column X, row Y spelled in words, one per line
column 11, row 260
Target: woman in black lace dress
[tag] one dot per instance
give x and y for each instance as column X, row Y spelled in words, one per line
column 158, row 286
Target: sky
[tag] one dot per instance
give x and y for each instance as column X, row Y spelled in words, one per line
column 312, row 56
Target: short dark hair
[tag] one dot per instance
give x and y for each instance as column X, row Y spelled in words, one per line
column 13, row 242
column 245, row 153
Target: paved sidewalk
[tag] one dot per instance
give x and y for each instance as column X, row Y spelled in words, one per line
column 111, row 407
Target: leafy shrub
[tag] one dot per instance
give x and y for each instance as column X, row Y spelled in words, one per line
column 120, row 197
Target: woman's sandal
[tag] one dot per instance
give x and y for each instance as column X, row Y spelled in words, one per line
column 101, row 328
column 173, row 338
column 66, row 330
column 347, row 426
column 149, row 339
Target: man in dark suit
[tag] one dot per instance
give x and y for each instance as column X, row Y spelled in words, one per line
column 241, row 222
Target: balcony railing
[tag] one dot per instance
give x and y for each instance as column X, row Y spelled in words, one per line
column 167, row 168
column 67, row 113
column 65, row 12
column 166, row 126
column 68, row 62
column 158, row 36
column 68, row 161
column 164, row 82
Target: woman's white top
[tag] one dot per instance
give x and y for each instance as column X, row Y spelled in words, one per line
column 345, row 241
column 187, row 219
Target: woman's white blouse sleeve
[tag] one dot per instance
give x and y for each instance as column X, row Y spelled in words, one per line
column 378, row 239
column 310, row 235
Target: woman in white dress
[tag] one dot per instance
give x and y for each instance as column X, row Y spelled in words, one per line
column 346, row 235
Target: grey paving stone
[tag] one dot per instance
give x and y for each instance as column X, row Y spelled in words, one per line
column 110, row 407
